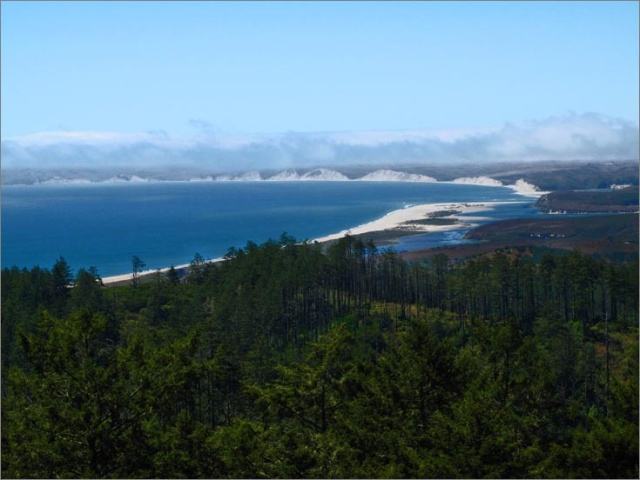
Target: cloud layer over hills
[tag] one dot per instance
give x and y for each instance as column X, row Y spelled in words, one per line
column 588, row 137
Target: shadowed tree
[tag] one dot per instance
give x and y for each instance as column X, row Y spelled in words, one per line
column 137, row 265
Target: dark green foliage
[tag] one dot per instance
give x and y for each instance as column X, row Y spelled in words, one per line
column 603, row 201
column 289, row 361
column 136, row 267
column 173, row 276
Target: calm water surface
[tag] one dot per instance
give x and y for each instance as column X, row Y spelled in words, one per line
column 165, row 223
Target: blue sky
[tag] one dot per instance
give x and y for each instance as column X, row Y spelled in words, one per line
column 247, row 67
column 222, row 86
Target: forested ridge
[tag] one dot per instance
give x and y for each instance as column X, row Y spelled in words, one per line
column 289, row 360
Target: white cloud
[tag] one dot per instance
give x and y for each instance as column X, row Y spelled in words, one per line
column 44, row 139
column 570, row 137
column 576, row 137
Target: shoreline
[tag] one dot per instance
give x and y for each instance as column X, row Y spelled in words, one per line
column 116, row 280
column 398, row 220
column 127, row 278
column 406, row 220
column 520, row 187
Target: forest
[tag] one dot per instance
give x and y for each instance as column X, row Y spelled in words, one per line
column 304, row 361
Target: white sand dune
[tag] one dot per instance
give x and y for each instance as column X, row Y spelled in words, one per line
column 526, row 189
column 485, row 181
column 395, row 176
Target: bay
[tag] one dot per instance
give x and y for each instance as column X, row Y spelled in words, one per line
column 166, row 223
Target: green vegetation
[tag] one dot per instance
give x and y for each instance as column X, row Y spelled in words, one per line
column 622, row 228
column 444, row 213
column 607, row 201
column 432, row 221
column 436, row 218
column 289, row 361
column 611, row 237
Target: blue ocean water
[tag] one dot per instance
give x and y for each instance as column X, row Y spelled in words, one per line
column 166, row 223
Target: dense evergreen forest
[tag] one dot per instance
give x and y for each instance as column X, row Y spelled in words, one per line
column 292, row 360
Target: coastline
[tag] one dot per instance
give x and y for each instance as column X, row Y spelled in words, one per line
column 410, row 220
column 125, row 278
column 407, row 220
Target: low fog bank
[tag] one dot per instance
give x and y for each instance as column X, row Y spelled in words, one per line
column 90, row 156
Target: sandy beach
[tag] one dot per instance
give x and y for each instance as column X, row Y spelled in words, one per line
column 396, row 220
column 408, row 219
column 400, row 220
column 126, row 278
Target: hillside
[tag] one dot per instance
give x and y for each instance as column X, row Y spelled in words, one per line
column 546, row 175
column 285, row 361
column 614, row 237
column 607, row 201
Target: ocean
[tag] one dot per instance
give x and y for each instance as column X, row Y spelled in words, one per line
column 166, row 223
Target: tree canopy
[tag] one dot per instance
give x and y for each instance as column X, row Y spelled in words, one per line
column 295, row 360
